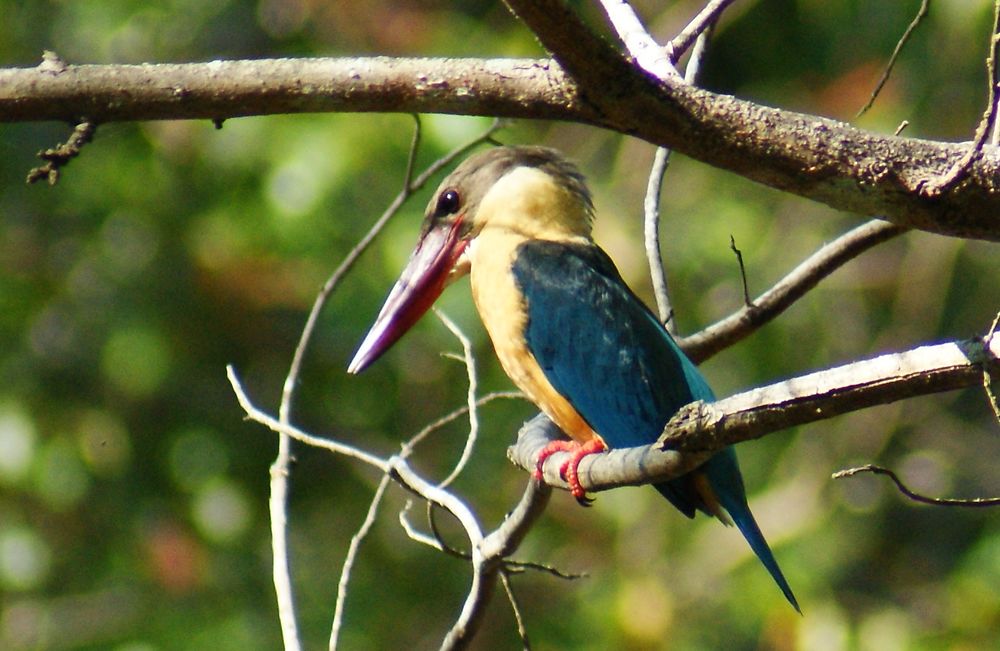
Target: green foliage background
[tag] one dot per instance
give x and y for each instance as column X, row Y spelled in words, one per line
column 133, row 506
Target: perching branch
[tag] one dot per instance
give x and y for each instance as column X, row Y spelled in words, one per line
column 700, row 429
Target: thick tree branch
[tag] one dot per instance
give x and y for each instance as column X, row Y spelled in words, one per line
column 828, row 161
column 227, row 89
column 825, row 160
column 700, row 429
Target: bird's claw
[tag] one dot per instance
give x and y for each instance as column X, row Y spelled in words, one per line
column 569, row 470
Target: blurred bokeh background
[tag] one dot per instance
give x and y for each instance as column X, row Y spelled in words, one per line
column 133, row 495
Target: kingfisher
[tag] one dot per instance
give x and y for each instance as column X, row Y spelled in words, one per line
column 566, row 328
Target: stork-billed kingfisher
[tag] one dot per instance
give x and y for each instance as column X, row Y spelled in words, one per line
column 565, row 326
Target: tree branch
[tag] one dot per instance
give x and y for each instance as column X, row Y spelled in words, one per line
column 921, row 14
column 700, row 429
column 828, row 161
column 60, row 155
column 825, row 160
column 226, row 89
column 973, row 502
column 726, row 332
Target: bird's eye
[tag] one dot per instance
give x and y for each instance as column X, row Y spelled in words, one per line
column 448, row 203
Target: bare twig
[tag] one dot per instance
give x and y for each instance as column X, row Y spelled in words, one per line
column 921, row 14
column 488, row 556
column 516, row 609
column 487, row 552
column 651, row 204
column 704, row 21
column 280, row 469
column 471, row 403
column 747, row 303
column 257, row 415
column 650, row 56
column 352, row 554
column 985, row 130
column 917, row 497
column 724, row 333
column 651, row 235
column 458, row 412
column 435, row 540
column 700, row 429
column 60, row 156
column 545, row 568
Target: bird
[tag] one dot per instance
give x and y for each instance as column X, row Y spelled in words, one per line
column 565, row 326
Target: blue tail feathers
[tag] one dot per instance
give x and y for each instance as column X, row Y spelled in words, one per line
column 727, row 482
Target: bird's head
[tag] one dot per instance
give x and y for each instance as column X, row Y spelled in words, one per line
column 532, row 192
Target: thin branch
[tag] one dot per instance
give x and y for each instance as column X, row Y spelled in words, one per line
column 921, row 14
column 521, row 566
column 747, row 303
column 457, row 413
column 703, row 22
column 416, row 535
column 277, row 510
column 485, row 563
column 522, row 631
column 488, row 555
column 917, row 497
column 700, row 429
column 435, row 540
column 352, row 554
column 278, row 501
column 784, row 293
column 960, row 169
column 640, row 44
column 651, row 236
column 471, row 403
column 280, row 469
column 257, row 415
column 651, row 203
column 60, row 156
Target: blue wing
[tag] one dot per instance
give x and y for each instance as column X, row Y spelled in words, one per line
column 603, row 350
column 609, row 356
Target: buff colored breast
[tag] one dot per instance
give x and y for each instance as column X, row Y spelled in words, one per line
column 502, row 310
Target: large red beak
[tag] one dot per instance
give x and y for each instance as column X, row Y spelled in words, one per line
column 422, row 281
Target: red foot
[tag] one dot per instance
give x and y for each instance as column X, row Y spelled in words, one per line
column 569, row 470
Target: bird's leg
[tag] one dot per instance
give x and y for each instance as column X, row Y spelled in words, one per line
column 569, row 470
